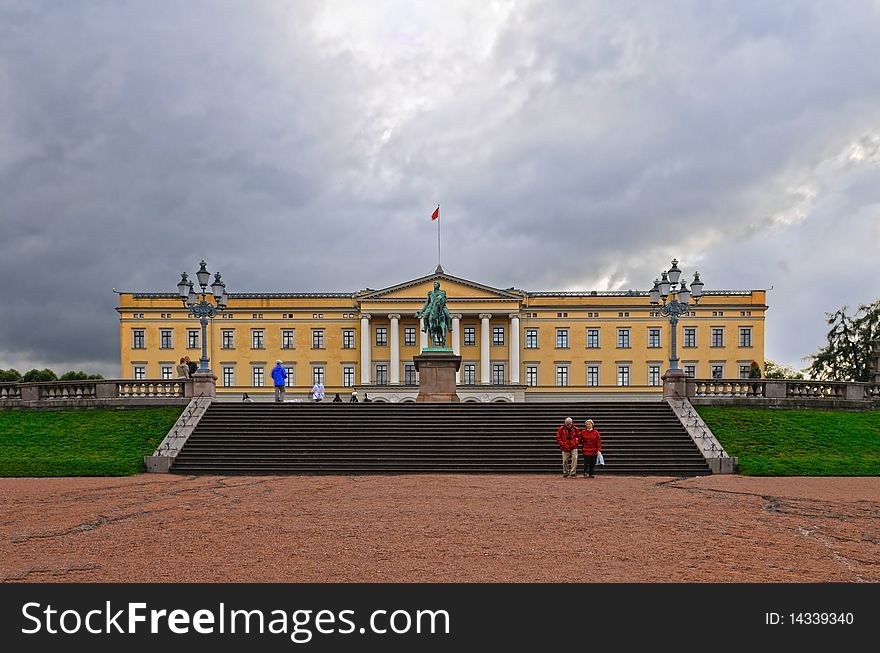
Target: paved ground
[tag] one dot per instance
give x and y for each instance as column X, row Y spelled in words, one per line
column 440, row 528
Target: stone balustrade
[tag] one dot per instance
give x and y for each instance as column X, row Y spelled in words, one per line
column 10, row 391
column 727, row 388
column 783, row 393
column 175, row 388
column 109, row 393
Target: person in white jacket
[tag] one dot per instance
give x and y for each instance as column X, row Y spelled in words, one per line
column 318, row 391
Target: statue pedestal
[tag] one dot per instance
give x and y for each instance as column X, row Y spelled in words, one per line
column 437, row 370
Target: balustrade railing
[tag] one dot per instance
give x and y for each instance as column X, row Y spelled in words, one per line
column 815, row 389
column 776, row 389
column 68, row 390
column 728, row 388
column 10, row 391
column 173, row 388
column 97, row 391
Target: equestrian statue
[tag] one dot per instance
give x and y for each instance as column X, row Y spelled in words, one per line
column 437, row 320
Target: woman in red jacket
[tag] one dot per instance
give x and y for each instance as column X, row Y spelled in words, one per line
column 591, row 443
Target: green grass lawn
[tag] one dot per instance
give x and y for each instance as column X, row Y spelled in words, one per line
column 81, row 442
column 798, row 442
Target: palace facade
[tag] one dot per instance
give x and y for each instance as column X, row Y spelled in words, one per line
column 515, row 344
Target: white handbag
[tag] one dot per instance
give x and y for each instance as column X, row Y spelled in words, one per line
column 600, row 459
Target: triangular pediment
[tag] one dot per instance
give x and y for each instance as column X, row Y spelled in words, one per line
column 455, row 287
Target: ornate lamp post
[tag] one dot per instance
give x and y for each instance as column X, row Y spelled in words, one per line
column 200, row 307
column 676, row 301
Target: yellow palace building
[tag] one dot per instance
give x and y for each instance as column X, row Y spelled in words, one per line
column 515, row 345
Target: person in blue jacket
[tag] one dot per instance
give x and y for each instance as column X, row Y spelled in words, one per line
column 279, row 375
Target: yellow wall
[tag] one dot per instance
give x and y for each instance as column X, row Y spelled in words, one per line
column 546, row 313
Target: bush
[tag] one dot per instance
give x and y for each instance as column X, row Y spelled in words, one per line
column 10, row 376
column 79, row 376
column 39, row 376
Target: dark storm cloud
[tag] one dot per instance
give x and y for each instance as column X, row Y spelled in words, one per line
column 303, row 147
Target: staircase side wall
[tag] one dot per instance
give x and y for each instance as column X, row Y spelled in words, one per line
column 718, row 459
column 167, row 451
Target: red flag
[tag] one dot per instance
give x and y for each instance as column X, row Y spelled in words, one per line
column 436, row 213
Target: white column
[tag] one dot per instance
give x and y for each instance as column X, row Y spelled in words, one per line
column 366, row 353
column 395, row 349
column 456, row 341
column 423, row 337
column 485, row 371
column 513, row 374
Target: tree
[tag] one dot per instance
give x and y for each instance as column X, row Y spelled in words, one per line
column 847, row 356
column 11, row 375
column 37, row 376
column 773, row 370
column 79, row 376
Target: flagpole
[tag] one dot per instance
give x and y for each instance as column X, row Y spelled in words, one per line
column 438, row 235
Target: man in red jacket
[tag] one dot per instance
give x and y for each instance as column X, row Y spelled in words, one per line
column 568, row 439
column 592, row 445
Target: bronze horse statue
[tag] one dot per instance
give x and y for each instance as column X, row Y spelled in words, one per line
column 437, row 318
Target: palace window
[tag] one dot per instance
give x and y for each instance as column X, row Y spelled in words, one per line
column 498, row 335
column 259, row 376
column 470, row 336
column 140, row 372
column 745, row 336
column 690, row 337
column 562, row 338
column 531, row 338
column 137, row 339
column 192, row 339
column 381, row 336
column 592, row 375
column 623, row 375
column 317, row 374
column 744, row 370
column 717, row 336
column 348, row 376
column 623, row 338
column 228, row 376
column 257, row 339
column 532, row 375
column 409, row 374
column 592, row 338
column 288, row 339
column 717, row 370
column 654, row 375
column 409, row 336
column 167, row 372
column 381, row 373
column 690, row 370
column 227, row 339
column 498, row 373
column 562, row 375
column 317, row 338
column 348, row 338
column 469, row 374
column 290, row 381
column 653, row 338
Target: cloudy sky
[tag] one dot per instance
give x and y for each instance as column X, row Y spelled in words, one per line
column 302, row 146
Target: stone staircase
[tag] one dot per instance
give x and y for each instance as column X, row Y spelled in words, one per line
column 378, row 438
